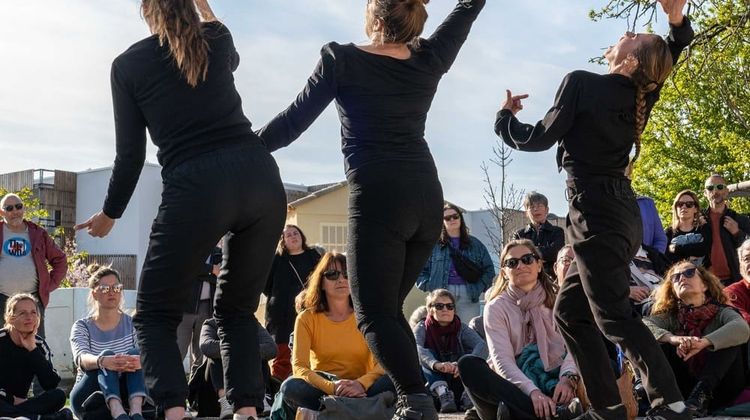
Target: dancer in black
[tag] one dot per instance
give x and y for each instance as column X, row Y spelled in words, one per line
column 218, row 177
column 595, row 120
column 383, row 92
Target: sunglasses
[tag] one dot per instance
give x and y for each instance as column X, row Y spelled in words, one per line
column 441, row 306
column 525, row 259
column 710, row 187
column 334, row 275
column 688, row 274
column 104, row 289
column 686, row 204
column 10, row 207
column 450, row 217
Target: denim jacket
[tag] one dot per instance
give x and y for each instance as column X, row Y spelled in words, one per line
column 435, row 273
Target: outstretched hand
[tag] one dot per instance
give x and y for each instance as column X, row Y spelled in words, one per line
column 673, row 9
column 98, row 225
column 513, row 103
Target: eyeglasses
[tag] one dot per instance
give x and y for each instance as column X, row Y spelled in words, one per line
column 525, row 259
column 334, row 275
column 441, row 306
column 450, row 217
column 686, row 204
column 10, row 207
column 710, row 187
column 104, row 289
column 688, row 274
column 565, row 260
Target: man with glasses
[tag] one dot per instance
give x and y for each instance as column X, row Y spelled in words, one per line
column 725, row 231
column 27, row 250
column 548, row 239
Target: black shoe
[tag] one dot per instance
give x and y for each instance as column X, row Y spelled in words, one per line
column 502, row 412
column 617, row 412
column 663, row 412
column 471, row 414
column 699, row 399
column 415, row 407
column 94, row 402
column 569, row 411
column 64, row 414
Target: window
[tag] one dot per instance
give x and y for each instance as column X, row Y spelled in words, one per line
column 58, row 217
column 334, row 236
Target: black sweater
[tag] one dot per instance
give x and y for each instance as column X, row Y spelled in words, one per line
column 149, row 91
column 18, row 366
column 592, row 120
column 382, row 102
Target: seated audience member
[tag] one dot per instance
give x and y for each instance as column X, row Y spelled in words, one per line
column 419, row 314
column 738, row 294
column 477, row 324
column 646, row 274
column 653, row 230
column 329, row 354
column 23, row 355
column 105, row 351
column 211, row 350
column 562, row 262
column 686, row 238
column 702, row 338
column 441, row 340
column 528, row 374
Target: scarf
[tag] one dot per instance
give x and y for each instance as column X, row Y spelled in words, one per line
column 538, row 325
column 443, row 341
column 692, row 320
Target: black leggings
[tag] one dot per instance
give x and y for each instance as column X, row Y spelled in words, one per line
column 395, row 216
column 604, row 227
column 237, row 190
column 47, row 402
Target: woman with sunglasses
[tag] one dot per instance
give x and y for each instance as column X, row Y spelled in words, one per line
column 529, row 374
column 329, row 354
column 106, row 353
column 447, row 266
column 441, row 340
column 686, row 237
column 702, row 337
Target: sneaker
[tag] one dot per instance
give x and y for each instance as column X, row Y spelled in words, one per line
column 64, row 414
column 137, row 416
column 94, row 401
column 466, row 403
column 471, row 414
column 663, row 412
column 502, row 412
column 569, row 411
column 267, row 405
column 415, row 407
column 615, row 413
column 226, row 409
column 447, row 402
column 122, row 416
column 698, row 400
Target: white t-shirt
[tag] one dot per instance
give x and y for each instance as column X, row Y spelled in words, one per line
column 17, row 270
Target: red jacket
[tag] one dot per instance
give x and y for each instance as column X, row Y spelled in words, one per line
column 44, row 250
column 738, row 295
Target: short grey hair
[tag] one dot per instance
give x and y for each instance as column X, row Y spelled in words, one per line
column 745, row 247
column 7, row 196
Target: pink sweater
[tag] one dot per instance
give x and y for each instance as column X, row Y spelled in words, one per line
column 503, row 322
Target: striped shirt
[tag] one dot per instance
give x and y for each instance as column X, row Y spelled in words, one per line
column 87, row 338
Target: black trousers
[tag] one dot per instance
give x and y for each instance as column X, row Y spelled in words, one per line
column 395, row 216
column 47, row 402
column 604, row 228
column 724, row 373
column 236, row 190
column 487, row 390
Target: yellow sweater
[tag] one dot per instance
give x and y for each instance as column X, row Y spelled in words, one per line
column 338, row 348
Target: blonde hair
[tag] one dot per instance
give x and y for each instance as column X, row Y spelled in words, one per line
column 10, row 306
column 665, row 299
column 501, row 282
column 177, row 24
column 402, row 20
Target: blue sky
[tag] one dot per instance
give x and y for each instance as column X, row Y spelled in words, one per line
column 56, row 111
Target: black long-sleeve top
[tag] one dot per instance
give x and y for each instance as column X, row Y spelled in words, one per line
column 18, row 366
column 549, row 239
column 149, row 91
column 382, row 102
column 210, row 344
column 592, row 120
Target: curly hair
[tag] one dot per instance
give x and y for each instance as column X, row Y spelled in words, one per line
column 665, row 298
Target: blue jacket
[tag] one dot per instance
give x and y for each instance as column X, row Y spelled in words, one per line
column 653, row 230
column 435, row 273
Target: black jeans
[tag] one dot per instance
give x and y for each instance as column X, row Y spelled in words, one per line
column 487, row 390
column 236, row 190
column 47, row 402
column 724, row 373
column 299, row 393
column 604, row 228
column 395, row 216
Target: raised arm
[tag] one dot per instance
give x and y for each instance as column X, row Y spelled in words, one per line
column 452, row 33
column 319, row 91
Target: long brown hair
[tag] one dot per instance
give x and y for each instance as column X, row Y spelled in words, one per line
column 464, row 240
column 402, row 20
column 281, row 246
column 676, row 214
column 314, row 297
column 665, row 299
column 654, row 66
column 177, row 24
column 501, row 282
